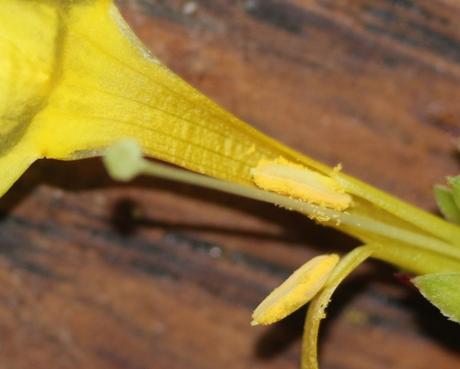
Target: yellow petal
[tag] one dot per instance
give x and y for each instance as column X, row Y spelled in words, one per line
column 296, row 291
column 90, row 82
column 109, row 88
column 28, row 31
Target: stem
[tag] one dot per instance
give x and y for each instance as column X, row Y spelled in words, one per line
column 423, row 220
column 402, row 235
column 415, row 260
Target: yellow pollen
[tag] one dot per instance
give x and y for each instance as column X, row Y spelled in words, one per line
column 286, row 178
column 296, row 291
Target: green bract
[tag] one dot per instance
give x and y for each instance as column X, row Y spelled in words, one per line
column 443, row 291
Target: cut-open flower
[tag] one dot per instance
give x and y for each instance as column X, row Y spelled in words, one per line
column 75, row 81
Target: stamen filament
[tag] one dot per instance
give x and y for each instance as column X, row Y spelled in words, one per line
column 422, row 262
column 317, row 306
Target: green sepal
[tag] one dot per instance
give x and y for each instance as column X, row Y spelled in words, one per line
column 454, row 183
column 446, row 203
column 443, row 291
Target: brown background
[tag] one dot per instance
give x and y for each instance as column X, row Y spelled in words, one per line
column 94, row 274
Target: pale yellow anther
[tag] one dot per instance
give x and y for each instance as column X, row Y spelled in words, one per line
column 299, row 182
column 296, row 291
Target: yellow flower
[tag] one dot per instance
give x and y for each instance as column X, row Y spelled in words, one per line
column 75, row 80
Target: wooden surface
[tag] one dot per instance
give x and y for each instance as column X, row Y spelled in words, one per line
column 94, row 274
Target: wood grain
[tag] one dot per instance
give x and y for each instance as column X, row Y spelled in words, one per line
column 94, row 274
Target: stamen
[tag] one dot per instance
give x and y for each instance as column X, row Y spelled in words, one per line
column 296, row 291
column 316, row 309
column 286, row 178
